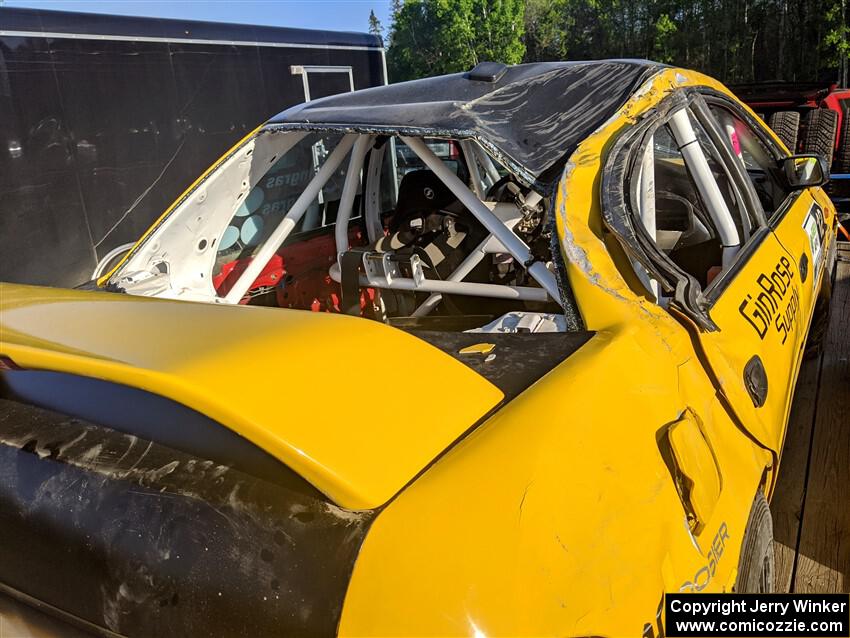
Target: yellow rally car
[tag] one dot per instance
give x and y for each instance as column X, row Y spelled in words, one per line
column 502, row 353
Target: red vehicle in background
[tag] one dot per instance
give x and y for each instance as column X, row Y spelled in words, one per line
column 809, row 118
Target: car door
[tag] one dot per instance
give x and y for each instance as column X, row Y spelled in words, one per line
column 803, row 226
column 801, row 219
column 701, row 239
column 760, row 306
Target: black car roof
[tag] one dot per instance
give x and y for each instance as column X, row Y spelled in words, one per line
column 532, row 117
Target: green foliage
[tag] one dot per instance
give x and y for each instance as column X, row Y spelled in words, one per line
column 733, row 40
column 837, row 39
column 548, row 29
column 497, row 30
column 432, row 37
column 663, row 47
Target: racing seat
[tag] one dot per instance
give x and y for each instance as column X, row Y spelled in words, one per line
column 429, row 223
column 426, row 209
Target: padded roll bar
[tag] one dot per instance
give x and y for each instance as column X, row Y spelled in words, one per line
column 683, row 132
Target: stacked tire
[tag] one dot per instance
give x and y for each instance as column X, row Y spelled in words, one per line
column 818, row 133
column 815, row 132
column 786, row 124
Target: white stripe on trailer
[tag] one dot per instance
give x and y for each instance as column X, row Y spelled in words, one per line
column 144, row 38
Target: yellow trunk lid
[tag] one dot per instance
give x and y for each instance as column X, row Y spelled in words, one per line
column 354, row 406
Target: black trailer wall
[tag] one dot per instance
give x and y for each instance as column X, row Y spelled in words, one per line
column 105, row 120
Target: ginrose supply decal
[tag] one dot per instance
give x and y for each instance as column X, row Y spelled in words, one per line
column 766, row 615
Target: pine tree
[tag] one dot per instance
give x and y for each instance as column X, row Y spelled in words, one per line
column 375, row 27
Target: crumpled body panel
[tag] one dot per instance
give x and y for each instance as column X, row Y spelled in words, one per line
column 139, row 539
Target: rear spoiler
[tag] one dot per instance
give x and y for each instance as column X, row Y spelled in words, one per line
column 346, row 403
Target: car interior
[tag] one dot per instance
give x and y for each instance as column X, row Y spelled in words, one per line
column 382, row 236
column 685, row 231
column 694, row 200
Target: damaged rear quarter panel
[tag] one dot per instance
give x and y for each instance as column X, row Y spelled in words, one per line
column 601, row 289
column 535, row 524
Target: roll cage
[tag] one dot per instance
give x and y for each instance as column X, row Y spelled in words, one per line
column 176, row 258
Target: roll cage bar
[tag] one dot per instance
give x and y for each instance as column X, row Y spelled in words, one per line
column 501, row 238
column 629, row 191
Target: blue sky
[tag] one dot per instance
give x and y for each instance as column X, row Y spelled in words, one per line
column 335, row 15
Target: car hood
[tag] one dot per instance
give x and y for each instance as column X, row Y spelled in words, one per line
column 355, row 407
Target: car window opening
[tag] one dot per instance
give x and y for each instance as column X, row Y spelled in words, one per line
column 758, row 162
column 688, row 202
column 427, row 233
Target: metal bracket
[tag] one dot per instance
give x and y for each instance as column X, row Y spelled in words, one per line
column 381, row 268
